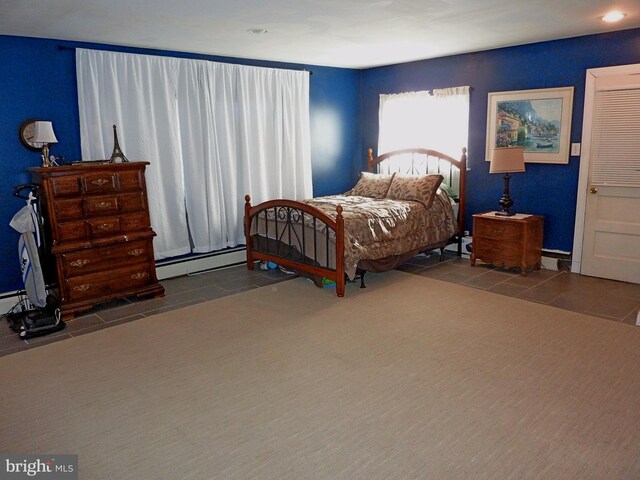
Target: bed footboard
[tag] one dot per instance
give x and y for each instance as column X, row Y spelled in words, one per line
column 297, row 236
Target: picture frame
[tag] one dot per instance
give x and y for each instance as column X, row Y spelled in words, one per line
column 538, row 120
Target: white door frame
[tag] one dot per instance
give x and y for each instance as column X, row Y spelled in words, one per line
column 583, row 185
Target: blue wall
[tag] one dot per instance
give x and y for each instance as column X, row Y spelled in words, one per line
column 549, row 190
column 38, row 81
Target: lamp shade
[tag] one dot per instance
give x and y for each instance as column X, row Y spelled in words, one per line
column 507, row 160
column 43, row 133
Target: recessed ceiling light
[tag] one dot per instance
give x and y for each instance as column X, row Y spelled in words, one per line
column 613, row 16
column 257, row 31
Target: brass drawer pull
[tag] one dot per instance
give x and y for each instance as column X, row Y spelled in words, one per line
column 139, row 275
column 497, row 230
column 79, row 263
column 136, row 253
column 82, row 288
column 103, row 205
column 105, row 226
column 100, row 182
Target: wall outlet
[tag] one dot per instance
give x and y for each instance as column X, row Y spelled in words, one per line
column 575, row 149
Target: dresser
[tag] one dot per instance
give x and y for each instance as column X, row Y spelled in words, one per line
column 514, row 241
column 98, row 232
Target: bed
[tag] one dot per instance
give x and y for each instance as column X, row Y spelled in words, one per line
column 407, row 202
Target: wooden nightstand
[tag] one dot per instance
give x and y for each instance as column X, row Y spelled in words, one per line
column 514, row 241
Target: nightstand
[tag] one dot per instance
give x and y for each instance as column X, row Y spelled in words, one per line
column 514, row 241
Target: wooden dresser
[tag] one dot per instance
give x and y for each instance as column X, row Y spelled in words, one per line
column 99, row 232
column 514, row 241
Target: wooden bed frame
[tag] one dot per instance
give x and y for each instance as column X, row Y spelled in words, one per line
column 286, row 213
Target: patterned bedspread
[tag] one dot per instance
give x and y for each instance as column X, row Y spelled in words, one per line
column 379, row 228
column 373, row 228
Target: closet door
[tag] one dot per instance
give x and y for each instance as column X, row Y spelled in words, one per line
column 611, row 243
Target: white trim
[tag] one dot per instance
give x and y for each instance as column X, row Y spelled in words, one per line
column 589, row 95
column 188, row 267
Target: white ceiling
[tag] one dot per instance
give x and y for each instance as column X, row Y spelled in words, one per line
column 339, row 33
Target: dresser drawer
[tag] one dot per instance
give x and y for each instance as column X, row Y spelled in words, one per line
column 71, row 231
column 65, row 186
column 108, row 283
column 131, row 180
column 131, row 202
column 135, row 222
column 99, row 182
column 104, row 226
column 81, row 262
column 101, row 205
column 69, row 209
column 498, row 230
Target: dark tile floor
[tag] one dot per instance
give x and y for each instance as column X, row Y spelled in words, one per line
column 616, row 301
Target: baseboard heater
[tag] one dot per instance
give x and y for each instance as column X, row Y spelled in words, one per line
column 194, row 264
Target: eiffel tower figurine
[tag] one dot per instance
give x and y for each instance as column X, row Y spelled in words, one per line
column 117, row 152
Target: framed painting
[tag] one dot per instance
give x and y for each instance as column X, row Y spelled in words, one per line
column 538, row 120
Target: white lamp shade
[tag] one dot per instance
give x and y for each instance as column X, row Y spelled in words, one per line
column 43, row 133
column 507, row 160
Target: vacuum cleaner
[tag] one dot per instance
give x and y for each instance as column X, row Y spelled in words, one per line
column 39, row 313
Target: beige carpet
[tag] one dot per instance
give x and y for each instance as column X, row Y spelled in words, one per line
column 411, row 378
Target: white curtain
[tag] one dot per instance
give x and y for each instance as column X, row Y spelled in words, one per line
column 213, row 132
column 138, row 95
column 438, row 120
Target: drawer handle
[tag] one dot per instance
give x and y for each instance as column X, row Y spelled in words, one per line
column 136, row 253
column 82, row 288
column 105, row 226
column 139, row 275
column 497, row 249
column 103, row 205
column 498, row 230
column 79, row 263
column 100, row 182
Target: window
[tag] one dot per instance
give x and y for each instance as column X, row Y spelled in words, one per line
column 438, row 120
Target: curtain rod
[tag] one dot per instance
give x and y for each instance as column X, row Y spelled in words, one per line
column 65, row 47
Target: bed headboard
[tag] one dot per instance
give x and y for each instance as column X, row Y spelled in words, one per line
column 422, row 161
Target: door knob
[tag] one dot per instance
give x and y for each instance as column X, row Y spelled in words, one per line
column 593, row 190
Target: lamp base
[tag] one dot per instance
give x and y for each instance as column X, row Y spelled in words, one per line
column 45, row 155
column 505, row 202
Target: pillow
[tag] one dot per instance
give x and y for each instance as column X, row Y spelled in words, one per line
column 372, row 185
column 417, row 188
column 449, row 191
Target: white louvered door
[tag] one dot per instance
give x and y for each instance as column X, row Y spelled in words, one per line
column 611, row 243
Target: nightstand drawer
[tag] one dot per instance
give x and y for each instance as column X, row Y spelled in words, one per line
column 508, row 253
column 498, row 229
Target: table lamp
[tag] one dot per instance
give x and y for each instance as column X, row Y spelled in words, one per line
column 43, row 135
column 506, row 160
